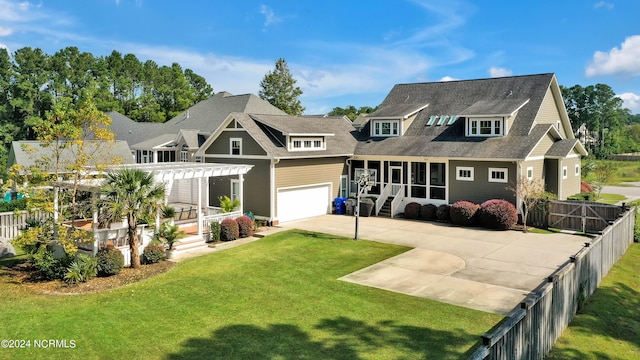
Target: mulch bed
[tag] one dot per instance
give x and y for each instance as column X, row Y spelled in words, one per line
column 23, row 274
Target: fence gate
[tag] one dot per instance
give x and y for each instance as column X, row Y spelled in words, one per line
column 581, row 215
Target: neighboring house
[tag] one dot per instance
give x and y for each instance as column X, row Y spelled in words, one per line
column 30, row 153
column 179, row 138
column 300, row 164
column 429, row 142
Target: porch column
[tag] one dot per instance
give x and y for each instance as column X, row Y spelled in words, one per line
column 241, row 192
column 199, row 213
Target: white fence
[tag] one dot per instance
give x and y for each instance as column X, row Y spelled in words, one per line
column 532, row 330
column 12, row 223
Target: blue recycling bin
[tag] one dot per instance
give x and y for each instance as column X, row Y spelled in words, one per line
column 340, row 206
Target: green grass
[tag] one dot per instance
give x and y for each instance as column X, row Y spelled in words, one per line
column 608, row 327
column 278, row 297
column 611, row 198
column 624, row 171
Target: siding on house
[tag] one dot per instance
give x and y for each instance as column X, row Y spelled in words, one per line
column 249, row 145
column 538, row 168
column 480, row 189
column 571, row 185
column 549, row 114
column 256, row 185
column 300, row 172
column 543, row 146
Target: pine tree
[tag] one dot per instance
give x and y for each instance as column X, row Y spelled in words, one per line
column 278, row 88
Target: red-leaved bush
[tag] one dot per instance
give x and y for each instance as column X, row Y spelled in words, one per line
column 443, row 213
column 229, row 230
column 245, row 226
column 428, row 212
column 464, row 213
column 412, row 210
column 498, row 214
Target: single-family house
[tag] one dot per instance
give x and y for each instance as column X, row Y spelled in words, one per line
column 436, row 142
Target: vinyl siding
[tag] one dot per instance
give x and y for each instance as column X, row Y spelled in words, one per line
column 300, row 172
column 542, row 147
column 256, row 185
column 480, row 189
column 538, row 168
column 570, row 185
column 549, row 113
column 249, row 145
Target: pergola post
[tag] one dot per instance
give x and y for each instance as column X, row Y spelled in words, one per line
column 199, row 212
column 241, row 192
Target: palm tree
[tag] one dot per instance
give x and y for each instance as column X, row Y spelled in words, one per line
column 132, row 194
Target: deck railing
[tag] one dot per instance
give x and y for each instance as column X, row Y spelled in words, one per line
column 384, row 194
column 398, row 196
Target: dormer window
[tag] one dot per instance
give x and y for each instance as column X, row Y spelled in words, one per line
column 306, row 143
column 385, row 128
column 485, row 127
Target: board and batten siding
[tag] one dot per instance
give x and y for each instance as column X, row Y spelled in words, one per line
column 549, row 113
column 256, row 185
column 221, row 145
column 301, row 172
column 480, row 189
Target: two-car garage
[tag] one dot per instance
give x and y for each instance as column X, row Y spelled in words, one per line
column 301, row 202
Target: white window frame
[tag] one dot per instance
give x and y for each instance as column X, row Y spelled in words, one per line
column 377, row 128
column 565, row 172
column 529, row 173
column 496, row 127
column 231, row 147
column 299, row 143
column 184, row 154
column 344, row 186
column 577, row 170
column 498, row 170
column 459, row 175
column 235, row 184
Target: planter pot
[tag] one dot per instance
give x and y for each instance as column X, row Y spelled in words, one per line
column 170, row 254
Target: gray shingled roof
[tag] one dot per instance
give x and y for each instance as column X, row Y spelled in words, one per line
column 130, row 131
column 396, row 110
column 28, row 152
column 153, row 142
column 342, row 143
column 501, row 107
column 561, row 148
column 453, row 98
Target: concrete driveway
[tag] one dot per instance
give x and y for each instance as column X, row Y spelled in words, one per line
column 481, row 269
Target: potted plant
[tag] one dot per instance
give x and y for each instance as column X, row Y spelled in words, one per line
column 170, row 235
column 168, row 214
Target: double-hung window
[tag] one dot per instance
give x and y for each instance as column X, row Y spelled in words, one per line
column 386, row 128
column 235, row 146
column 485, row 127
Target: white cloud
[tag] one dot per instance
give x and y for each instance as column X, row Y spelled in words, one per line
column 5, row 31
column 15, row 12
column 448, row 78
column 618, row 61
column 499, row 72
column 631, row 101
column 603, row 4
column 269, row 16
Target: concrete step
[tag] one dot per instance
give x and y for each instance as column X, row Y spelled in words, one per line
column 191, row 243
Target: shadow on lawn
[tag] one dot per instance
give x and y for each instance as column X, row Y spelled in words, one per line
column 611, row 312
column 340, row 338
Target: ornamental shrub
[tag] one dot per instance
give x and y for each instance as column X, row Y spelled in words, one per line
column 229, row 230
column 428, row 212
column 245, row 226
column 498, row 214
column 215, row 231
column 153, row 253
column 110, row 261
column 81, row 269
column 46, row 264
column 443, row 213
column 464, row 213
column 412, row 210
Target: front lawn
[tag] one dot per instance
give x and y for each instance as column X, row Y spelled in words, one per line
column 609, row 325
column 274, row 298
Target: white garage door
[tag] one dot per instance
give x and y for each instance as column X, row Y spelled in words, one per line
column 300, row 203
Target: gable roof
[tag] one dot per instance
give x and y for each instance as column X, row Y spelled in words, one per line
column 266, row 130
column 563, row 148
column 130, row 131
column 30, row 153
column 521, row 96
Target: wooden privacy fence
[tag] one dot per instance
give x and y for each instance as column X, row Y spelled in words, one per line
column 585, row 216
column 532, row 329
column 12, row 224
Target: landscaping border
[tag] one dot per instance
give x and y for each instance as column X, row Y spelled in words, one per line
column 532, row 329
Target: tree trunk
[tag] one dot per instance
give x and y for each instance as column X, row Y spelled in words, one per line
column 133, row 244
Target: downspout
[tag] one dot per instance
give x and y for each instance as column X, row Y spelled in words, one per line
column 518, row 179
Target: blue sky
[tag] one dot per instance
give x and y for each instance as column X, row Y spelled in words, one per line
column 347, row 52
